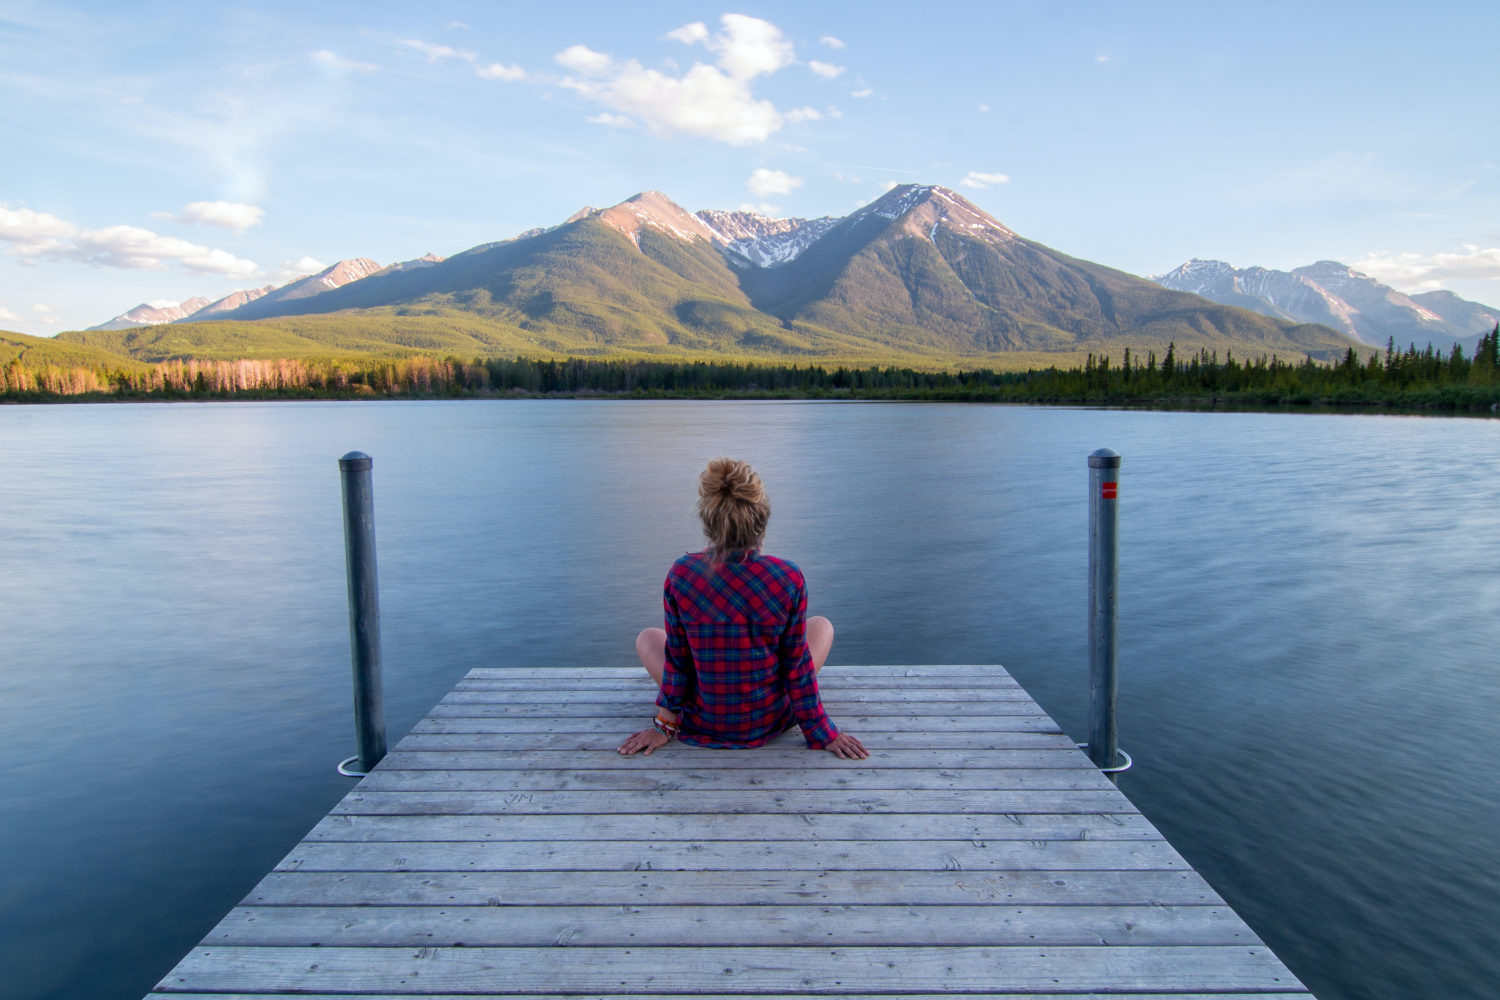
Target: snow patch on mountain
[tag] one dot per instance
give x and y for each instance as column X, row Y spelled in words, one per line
column 749, row 238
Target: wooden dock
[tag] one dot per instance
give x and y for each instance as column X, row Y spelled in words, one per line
column 503, row 848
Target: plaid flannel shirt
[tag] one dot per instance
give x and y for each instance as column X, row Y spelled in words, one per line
column 738, row 670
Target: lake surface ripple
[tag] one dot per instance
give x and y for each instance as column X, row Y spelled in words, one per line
column 1308, row 636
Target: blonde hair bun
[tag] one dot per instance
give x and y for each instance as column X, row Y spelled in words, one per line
column 732, row 480
column 732, row 502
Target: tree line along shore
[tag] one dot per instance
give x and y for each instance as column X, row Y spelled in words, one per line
column 1405, row 380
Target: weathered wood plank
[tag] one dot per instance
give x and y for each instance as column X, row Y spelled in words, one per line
column 559, row 700
column 468, row 773
column 736, row 855
column 748, row 970
column 836, row 705
column 778, row 756
column 638, row 718
column 722, row 926
column 633, row 671
column 716, row 826
column 1182, row 887
column 936, row 739
column 896, row 687
column 1263, row 995
column 1100, row 802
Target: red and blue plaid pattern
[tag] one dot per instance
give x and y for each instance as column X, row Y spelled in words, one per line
column 738, row 669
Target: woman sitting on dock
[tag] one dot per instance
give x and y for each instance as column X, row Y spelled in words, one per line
column 738, row 661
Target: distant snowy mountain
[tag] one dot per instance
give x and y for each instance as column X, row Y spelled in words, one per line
column 228, row 303
column 1336, row 295
column 147, row 314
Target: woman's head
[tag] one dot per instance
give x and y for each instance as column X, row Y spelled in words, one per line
column 732, row 502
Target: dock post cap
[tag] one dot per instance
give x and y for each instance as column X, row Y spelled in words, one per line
column 1104, row 459
column 356, row 461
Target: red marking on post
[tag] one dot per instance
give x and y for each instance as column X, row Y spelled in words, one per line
column 1110, row 490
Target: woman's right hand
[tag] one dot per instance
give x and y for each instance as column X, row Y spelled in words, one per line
column 848, row 747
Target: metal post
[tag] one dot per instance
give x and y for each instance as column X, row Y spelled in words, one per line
column 1104, row 478
column 364, row 611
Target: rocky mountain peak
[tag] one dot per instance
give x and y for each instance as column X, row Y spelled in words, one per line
column 656, row 210
column 154, row 314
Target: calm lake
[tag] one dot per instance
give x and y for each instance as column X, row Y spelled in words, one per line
column 1309, row 633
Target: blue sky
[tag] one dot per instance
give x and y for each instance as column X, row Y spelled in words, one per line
column 157, row 151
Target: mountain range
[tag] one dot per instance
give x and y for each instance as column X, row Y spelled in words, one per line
column 1338, row 296
column 920, row 275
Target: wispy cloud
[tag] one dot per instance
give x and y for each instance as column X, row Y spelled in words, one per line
column 831, row 42
column 763, row 183
column 826, row 70
column 1428, row 271
column 227, row 214
column 438, row 52
column 862, row 92
column 977, row 180
column 6, row 316
column 37, row 235
column 339, row 64
column 612, row 121
column 709, row 101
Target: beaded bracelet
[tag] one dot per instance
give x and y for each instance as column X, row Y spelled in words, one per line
column 667, row 729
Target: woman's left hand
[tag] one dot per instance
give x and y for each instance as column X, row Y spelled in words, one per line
column 848, row 747
column 645, row 740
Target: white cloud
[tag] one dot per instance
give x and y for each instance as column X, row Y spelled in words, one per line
column 229, row 214
column 764, row 183
column 826, row 70
column 862, row 92
column 888, row 185
column 133, row 248
column 975, row 179
column 748, row 47
column 1424, row 272
column 1102, row 59
column 41, row 309
column 983, row 108
column 831, row 42
column 613, row 121
column 762, row 209
column 582, row 59
column 7, row 316
column 690, row 34
column 339, row 64
column 34, row 234
column 456, row 26
column 708, row 101
column 500, row 71
column 436, row 52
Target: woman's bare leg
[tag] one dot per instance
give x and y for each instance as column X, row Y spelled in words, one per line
column 651, row 647
column 819, row 640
